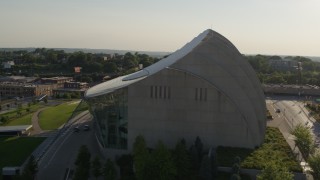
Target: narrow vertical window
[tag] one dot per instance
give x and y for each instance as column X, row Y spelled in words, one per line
column 205, row 94
column 196, row 94
column 164, row 92
column 151, row 91
column 160, row 91
column 155, row 91
column 169, row 92
column 200, row 94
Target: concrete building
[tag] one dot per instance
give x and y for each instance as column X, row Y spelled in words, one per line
column 71, row 87
column 204, row 89
column 284, row 64
column 59, row 81
column 17, row 89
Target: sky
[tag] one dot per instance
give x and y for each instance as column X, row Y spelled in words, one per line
column 272, row 27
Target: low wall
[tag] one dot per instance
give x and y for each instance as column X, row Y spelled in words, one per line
column 254, row 172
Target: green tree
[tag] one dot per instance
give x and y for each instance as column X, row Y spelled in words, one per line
column 303, row 140
column 182, row 160
column 161, row 165
column 96, row 167
column 109, row 170
column 205, row 168
column 275, row 171
column 45, row 100
column 140, row 157
column 82, row 164
column 110, row 67
column 198, row 144
column 314, row 163
column 66, row 96
column 30, row 170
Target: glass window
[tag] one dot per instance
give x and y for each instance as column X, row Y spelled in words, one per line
column 110, row 112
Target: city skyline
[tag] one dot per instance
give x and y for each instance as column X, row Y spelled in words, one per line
column 286, row 27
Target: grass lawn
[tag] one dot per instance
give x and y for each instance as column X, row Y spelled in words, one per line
column 24, row 120
column 53, row 117
column 274, row 148
column 15, row 150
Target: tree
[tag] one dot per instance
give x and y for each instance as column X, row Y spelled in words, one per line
column 109, row 171
column 140, row 157
column 30, row 170
column 304, row 140
column 275, row 170
column 96, row 167
column 161, row 164
column 110, row 67
column 314, row 163
column 66, row 96
column 198, row 144
column 82, row 163
column 45, row 100
column 205, row 168
column 182, row 160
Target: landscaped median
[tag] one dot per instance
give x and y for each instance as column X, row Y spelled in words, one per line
column 274, row 149
column 53, row 117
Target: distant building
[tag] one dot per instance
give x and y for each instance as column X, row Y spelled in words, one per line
column 71, row 87
column 107, row 57
column 283, row 65
column 20, row 79
column 8, row 64
column 56, row 80
column 17, row 89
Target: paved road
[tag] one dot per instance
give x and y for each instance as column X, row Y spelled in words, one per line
column 295, row 113
column 292, row 112
column 62, row 154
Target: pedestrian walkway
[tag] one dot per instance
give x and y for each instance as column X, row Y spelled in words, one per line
column 35, row 122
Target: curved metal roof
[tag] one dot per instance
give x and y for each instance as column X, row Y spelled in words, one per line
column 126, row 80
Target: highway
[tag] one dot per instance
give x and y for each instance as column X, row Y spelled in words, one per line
column 58, row 161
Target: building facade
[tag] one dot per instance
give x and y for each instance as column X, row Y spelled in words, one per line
column 16, row 89
column 205, row 89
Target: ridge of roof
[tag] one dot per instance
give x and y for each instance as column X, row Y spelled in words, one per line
column 126, row 80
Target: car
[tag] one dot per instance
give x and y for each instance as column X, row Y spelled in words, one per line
column 278, row 111
column 76, row 129
column 86, row 127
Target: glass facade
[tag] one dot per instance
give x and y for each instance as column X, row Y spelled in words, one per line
column 110, row 112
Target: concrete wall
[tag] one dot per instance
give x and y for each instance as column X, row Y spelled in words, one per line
column 221, row 64
column 214, row 118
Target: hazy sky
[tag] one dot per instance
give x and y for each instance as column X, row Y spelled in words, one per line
column 286, row 27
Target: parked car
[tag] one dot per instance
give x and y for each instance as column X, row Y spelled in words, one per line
column 76, row 129
column 86, row 127
column 278, row 111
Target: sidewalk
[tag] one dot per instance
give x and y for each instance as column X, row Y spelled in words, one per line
column 35, row 122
